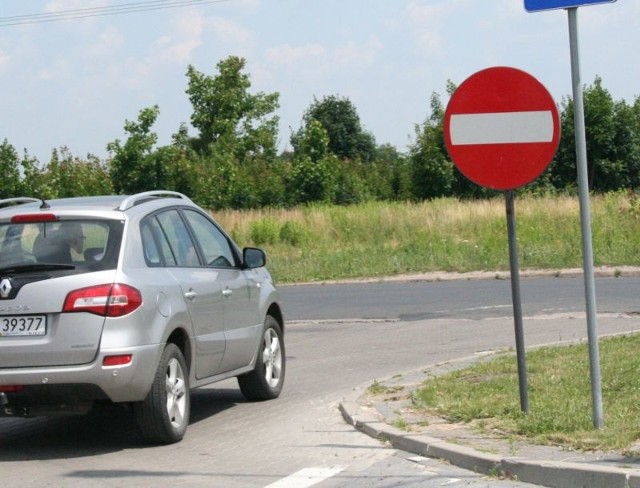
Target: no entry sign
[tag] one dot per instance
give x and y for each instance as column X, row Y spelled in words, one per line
column 501, row 128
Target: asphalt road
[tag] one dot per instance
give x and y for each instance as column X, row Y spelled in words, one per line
column 456, row 299
column 300, row 439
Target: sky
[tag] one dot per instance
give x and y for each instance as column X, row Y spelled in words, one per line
column 74, row 83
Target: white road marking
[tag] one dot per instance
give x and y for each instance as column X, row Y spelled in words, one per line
column 306, row 477
column 501, row 128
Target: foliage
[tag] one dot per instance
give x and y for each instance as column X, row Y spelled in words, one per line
column 71, row 176
column 133, row 168
column 612, row 139
column 231, row 162
column 340, row 119
column 433, row 173
column 225, row 113
column 10, row 171
column 313, row 181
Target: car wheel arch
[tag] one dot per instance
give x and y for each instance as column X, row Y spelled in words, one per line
column 180, row 338
column 275, row 312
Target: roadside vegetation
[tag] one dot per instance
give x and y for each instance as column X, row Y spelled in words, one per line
column 316, row 242
column 227, row 156
column 486, row 396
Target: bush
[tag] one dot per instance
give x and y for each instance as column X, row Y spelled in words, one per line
column 293, row 233
column 264, row 232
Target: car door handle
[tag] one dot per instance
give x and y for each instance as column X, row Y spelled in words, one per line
column 227, row 292
column 190, row 295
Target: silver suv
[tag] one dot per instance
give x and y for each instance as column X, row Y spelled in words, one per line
column 133, row 300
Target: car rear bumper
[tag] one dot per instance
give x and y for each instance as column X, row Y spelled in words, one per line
column 123, row 383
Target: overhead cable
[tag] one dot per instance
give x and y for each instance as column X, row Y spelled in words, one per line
column 83, row 13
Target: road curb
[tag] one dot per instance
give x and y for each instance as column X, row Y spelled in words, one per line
column 555, row 474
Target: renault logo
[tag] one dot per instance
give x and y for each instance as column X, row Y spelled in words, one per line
column 5, row 287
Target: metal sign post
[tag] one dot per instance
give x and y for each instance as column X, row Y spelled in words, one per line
column 514, row 266
column 585, row 218
column 583, row 188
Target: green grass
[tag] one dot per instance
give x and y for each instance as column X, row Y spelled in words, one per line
column 560, row 410
column 318, row 243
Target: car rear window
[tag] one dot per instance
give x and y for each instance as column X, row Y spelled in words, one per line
column 85, row 244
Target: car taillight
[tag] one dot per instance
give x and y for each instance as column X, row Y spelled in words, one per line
column 111, row 300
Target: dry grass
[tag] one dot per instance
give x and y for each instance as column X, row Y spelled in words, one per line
column 373, row 239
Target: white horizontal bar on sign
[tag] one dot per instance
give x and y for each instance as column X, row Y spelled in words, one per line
column 501, row 128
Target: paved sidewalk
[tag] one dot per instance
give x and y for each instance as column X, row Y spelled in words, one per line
column 462, row 446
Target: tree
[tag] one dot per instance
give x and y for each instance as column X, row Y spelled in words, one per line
column 132, row 167
column 313, row 174
column 313, row 141
column 32, row 177
column 433, row 173
column 389, row 177
column 340, row 119
column 9, row 169
column 227, row 115
column 70, row 176
column 611, row 139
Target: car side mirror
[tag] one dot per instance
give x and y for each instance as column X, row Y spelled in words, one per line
column 253, row 257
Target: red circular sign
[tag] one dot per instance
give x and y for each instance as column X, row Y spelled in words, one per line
column 501, row 128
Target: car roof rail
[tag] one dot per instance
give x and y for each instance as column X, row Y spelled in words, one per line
column 146, row 196
column 20, row 200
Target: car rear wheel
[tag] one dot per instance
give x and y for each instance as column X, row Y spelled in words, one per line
column 266, row 380
column 164, row 415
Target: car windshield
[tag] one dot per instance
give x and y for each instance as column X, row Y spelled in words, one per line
column 70, row 244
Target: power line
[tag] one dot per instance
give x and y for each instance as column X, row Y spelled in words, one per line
column 83, row 13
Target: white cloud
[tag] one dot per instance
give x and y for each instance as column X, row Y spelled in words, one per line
column 230, row 32
column 353, row 54
column 179, row 52
column 79, row 19
column 106, row 43
column 4, row 60
column 186, row 36
column 60, row 5
column 429, row 15
column 292, row 55
column 316, row 55
column 428, row 22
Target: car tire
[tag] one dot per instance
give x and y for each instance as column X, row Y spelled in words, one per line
column 163, row 416
column 266, row 380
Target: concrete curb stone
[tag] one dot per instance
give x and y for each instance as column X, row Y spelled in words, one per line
column 544, row 469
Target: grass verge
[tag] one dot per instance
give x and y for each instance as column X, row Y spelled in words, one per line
column 486, row 394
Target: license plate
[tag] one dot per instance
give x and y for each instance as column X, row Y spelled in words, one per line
column 23, row 325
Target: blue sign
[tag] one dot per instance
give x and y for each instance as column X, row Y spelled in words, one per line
column 536, row 5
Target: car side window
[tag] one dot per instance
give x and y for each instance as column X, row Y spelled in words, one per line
column 166, row 241
column 213, row 243
column 152, row 253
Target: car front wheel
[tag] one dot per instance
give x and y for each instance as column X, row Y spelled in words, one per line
column 164, row 415
column 266, row 380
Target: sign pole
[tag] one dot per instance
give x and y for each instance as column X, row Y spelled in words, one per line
column 585, row 216
column 517, row 303
column 502, row 128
